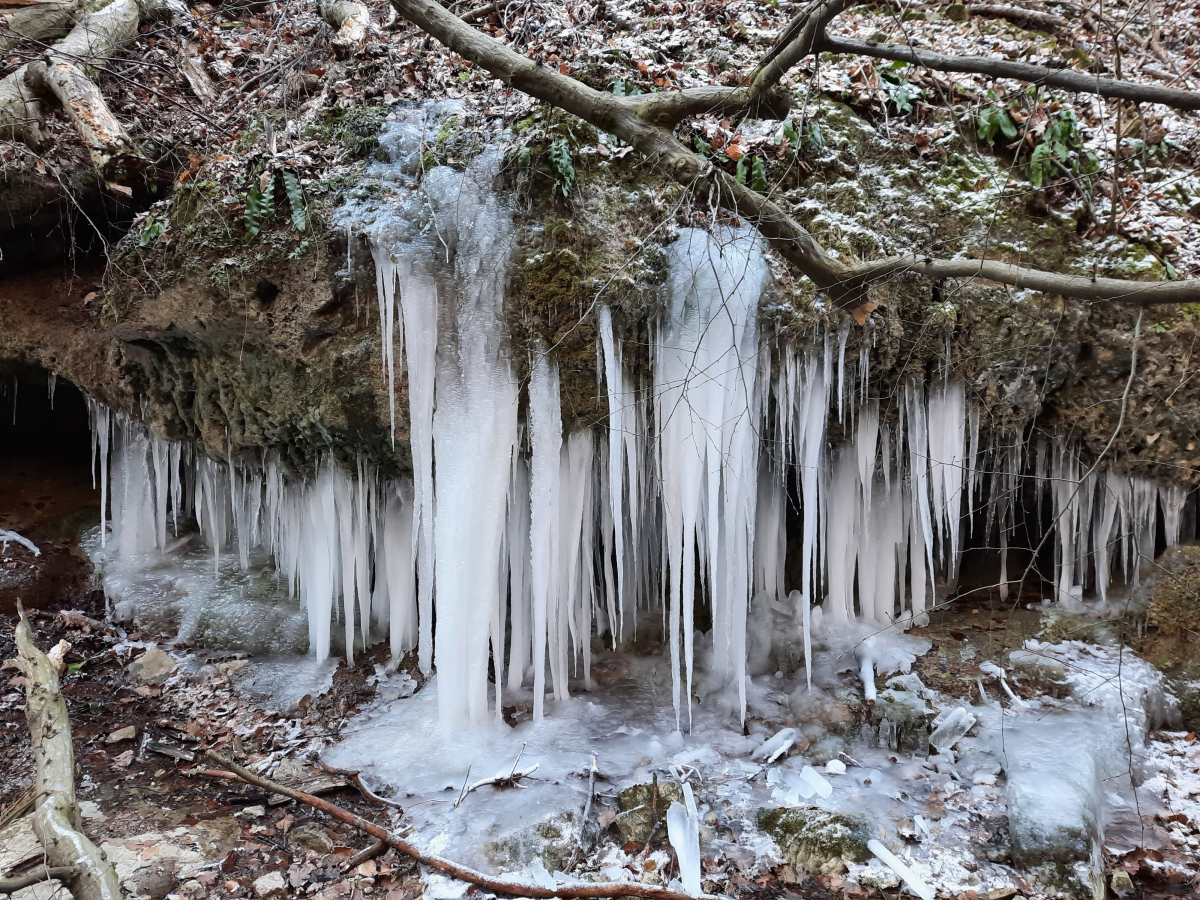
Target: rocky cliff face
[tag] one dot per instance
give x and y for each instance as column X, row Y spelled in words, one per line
column 272, row 342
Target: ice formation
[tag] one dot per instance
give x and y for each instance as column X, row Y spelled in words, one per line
column 524, row 541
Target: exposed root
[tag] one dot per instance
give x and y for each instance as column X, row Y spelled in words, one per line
column 56, row 819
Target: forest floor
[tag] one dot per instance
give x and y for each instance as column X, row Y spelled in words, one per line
column 171, row 830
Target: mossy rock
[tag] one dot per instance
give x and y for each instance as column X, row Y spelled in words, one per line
column 552, row 840
column 815, row 840
column 1172, row 595
column 637, row 807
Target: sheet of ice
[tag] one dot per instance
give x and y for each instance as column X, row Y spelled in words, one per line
column 279, row 683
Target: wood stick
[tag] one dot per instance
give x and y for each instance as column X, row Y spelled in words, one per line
column 36, row 876
column 56, row 819
column 570, row 891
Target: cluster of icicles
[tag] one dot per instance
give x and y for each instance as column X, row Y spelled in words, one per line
column 523, row 542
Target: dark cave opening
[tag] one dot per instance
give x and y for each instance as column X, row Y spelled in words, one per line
column 46, row 491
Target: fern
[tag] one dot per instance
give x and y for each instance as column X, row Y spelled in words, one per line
column 758, row 175
column 295, row 196
column 260, row 205
column 564, row 169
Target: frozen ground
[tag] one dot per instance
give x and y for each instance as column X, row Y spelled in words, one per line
column 1049, row 774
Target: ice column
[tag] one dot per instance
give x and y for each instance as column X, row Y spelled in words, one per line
column 706, row 360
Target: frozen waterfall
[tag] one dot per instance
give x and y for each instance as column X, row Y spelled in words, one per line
column 523, row 541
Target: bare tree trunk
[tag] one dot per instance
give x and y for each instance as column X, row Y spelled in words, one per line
column 56, row 819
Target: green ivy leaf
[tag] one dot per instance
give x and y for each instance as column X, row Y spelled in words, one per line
column 740, row 172
column 295, row 196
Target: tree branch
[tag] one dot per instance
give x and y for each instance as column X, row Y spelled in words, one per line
column 668, row 108
column 797, row 40
column 1067, row 79
column 14, row 883
column 846, row 285
column 575, row 891
column 1019, row 15
column 1132, row 293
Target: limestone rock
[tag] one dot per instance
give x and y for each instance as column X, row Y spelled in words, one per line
column 271, row 886
column 817, row 841
column 637, row 805
column 311, row 836
column 152, row 667
column 128, row 733
column 1122, row 884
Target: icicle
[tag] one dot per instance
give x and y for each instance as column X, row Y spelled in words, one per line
column 51, row 384
column 519, row 572
column 545, row 425
column 706, row 369
column 614, row 378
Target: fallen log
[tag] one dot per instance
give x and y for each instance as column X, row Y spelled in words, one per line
column 65, row 74
column 351, row 19
column 56, row 819
column 569, row 891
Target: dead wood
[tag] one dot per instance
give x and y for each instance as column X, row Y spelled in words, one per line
column 352, row 20
column 65, row 74
column 1020, row 16
column 1066, row 79
column 445, row 866
column 35, row 876
column 56, row 819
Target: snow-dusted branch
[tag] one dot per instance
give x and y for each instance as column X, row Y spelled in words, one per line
column 1065, row 79
column 567, row 891
column 847, row 285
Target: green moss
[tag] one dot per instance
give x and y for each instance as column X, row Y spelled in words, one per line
column 1174, row 594
column 356, row 129
column 815, row 840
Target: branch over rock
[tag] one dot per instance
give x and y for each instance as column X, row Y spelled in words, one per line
column 646, row 125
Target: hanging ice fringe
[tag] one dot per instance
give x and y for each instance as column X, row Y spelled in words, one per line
column 524, row 547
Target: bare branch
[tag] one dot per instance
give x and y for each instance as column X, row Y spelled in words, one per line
column 1066, row 79
column 1132, row 293
column 569, row 891
column 801, row 36
column 1019, row 15
column 847, row 285
column 56, row 820
column 669, row 108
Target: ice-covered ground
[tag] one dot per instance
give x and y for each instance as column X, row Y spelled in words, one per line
column 1053, row 774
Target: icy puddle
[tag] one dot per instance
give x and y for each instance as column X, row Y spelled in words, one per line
column 1041, row 783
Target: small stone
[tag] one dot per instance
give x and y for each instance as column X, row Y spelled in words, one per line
column 152, row 667
column 192, row 890
column 271, row 886
column 956, row 12
column 1122, row 884
column 128, row 733
column 1004, row 893
column 311, row 836
column 252, row 812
